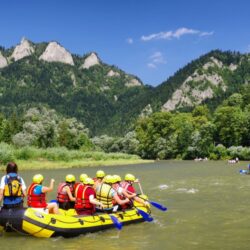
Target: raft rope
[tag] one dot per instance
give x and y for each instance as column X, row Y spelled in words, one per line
column 27, row 234
column 82, row 220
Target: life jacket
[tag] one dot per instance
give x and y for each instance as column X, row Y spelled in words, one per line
column 103, row 194
column 62, row 195
column 13, row 186
column 82, row 202
column 35, row 200
column 126, row 186
column 75, row 187
column 116, row 187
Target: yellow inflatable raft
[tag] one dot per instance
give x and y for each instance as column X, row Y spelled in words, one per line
column 38, row 223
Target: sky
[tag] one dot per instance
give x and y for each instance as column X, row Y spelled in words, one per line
column 150, row 39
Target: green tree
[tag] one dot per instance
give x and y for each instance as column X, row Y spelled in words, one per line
column 230, row 122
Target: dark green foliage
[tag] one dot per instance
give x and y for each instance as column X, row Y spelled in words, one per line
column 106, row 105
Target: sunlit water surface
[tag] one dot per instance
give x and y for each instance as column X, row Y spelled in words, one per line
column 208, row 208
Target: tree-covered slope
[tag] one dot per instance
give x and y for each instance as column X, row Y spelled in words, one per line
column 208, row 79
column 104, row 98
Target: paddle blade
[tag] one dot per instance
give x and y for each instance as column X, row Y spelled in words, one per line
column 116, row 222
column 157, row 205
column 55, row 201
column 243, row 171
column 145, row 216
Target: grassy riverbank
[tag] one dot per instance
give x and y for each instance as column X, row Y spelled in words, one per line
column 45, row 164
column 55, row 158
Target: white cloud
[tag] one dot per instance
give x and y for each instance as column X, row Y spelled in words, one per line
column 205, row 33
column 175, row 34
column 184, row 31
column 156, row 59
column 248, row 48
column 151, row 65
column 130, row 41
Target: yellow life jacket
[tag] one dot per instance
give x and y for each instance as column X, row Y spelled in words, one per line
column 103, row 194
column 13, row 186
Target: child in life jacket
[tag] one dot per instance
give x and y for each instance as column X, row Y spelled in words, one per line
column 65, row 192
column 37, row 195
column 86, row 198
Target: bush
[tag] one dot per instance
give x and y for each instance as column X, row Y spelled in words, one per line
column 27, row 153
column 242, row 153
column 56, row 154
column 6, row 153
column 221, row 152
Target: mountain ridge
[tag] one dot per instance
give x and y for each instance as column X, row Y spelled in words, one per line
column 105, row 98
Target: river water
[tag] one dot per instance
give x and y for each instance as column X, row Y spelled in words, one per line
column 208, row 205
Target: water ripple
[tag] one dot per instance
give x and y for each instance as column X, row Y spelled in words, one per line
column 188, row 191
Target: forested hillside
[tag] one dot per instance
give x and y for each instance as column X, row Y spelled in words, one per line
column 103, row 97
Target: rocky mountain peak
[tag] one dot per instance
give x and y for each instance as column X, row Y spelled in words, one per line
column 22, row 50
column 112, row 73
column 197, row 87
column 90, row 61
column 132, row 83
column 56, row 53
column 3, row 61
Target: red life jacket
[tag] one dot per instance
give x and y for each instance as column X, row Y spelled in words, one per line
column 35, row 200
column 62, row 196
column 82, row 202
column 75, row 187
column 127, row 186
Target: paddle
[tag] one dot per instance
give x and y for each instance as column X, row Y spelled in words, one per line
column 153, row 203
column 55, row 201
column 158, row 205
column 116, row 222
column 145, row 215
column 243, row 171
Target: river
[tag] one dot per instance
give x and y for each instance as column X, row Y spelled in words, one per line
column 207, row 203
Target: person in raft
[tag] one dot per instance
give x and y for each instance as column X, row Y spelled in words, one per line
column 65, row 192
column 129, row 190
column 12, row 187
column 82, row 177
column 126, row 190
column 86, row 201
column 106, row 194
column 100, row 174
column 37, row 195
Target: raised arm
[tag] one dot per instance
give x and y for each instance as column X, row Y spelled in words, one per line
column 70, row 194
column 50, row 188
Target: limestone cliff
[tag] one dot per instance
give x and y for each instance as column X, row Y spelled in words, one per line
column 22, row 50
column 90, row 61
column 3, row 61
column 56, row 53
